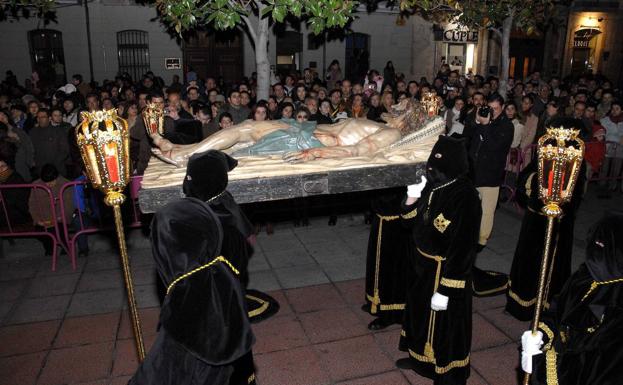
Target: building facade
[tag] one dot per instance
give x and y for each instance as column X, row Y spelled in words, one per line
column 592, row 40
column 125, row 37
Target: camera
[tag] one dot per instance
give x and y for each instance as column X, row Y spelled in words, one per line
column 484, row 111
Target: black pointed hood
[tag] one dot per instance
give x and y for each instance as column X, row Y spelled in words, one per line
column 447, row 160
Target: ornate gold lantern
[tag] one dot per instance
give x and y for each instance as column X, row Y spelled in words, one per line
column 104, row 145
column 560, row 153
column 431, row 104
column 153, row 116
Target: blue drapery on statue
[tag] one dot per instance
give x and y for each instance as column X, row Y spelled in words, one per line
column 299, row 136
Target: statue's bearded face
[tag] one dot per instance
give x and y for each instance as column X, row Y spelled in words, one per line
column 407, row 116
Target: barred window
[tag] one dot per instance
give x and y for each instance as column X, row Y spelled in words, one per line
column 133, row 52
column 46, row 55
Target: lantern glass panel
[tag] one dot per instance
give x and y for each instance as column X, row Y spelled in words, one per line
column 111, row 157
column 548, row 169
column 92, row 159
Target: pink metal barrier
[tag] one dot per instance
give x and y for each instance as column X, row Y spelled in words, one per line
column 90, row 215
column 517, row 159
column 8, row 227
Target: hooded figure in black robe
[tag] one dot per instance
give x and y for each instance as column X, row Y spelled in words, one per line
column 206, row 179
column 582, row 328
column 445, row 222
column 523, row 278
column 205, row 337
column 387, row 266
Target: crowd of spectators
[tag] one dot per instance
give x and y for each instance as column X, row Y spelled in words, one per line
column 36, row 125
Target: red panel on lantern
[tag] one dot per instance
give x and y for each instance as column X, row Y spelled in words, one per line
column 112, row 161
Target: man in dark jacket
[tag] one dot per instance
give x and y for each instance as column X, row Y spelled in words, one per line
column 478, row 100
column 16, row 199
column 50, row 143
column 490, row 143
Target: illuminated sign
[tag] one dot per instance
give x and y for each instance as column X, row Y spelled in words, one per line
column 460, row 36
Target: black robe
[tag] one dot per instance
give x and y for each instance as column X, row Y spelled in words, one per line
column 581, row 348
column 204, row 334
column 237, row 249
column 445, row 223
column 523, row 279
column 387, row 265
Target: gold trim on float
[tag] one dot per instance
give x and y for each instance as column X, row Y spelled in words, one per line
column 453, row 283
column 259, row 310
column 410, row 214
column 440, row 369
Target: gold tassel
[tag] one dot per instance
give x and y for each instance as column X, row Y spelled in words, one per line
column 428, row 351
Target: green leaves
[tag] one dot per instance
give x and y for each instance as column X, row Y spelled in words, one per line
column 43, row 9
column 527, row 14
column 225, row 14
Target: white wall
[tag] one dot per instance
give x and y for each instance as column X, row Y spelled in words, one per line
column 410, row 47
column 106, row 21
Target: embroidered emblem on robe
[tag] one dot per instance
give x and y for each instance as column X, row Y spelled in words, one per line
column 441, row 223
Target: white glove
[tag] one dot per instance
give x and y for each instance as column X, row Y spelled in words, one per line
column 439, row 302
column 415, row 190
column 530, row 346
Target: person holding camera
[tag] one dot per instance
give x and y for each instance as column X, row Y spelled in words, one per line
column 490, row 143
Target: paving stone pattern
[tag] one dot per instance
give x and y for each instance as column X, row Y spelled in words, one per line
column 71, row 326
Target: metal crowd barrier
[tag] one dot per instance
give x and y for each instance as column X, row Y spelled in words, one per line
column 8, row 227
column 90, row 215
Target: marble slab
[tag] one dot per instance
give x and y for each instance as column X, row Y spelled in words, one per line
column 297, row 186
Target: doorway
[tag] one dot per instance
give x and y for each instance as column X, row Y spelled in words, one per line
column 289, row 48
column 215, row 54
column 47, row 56
column 357, row 58
column 526, row 56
